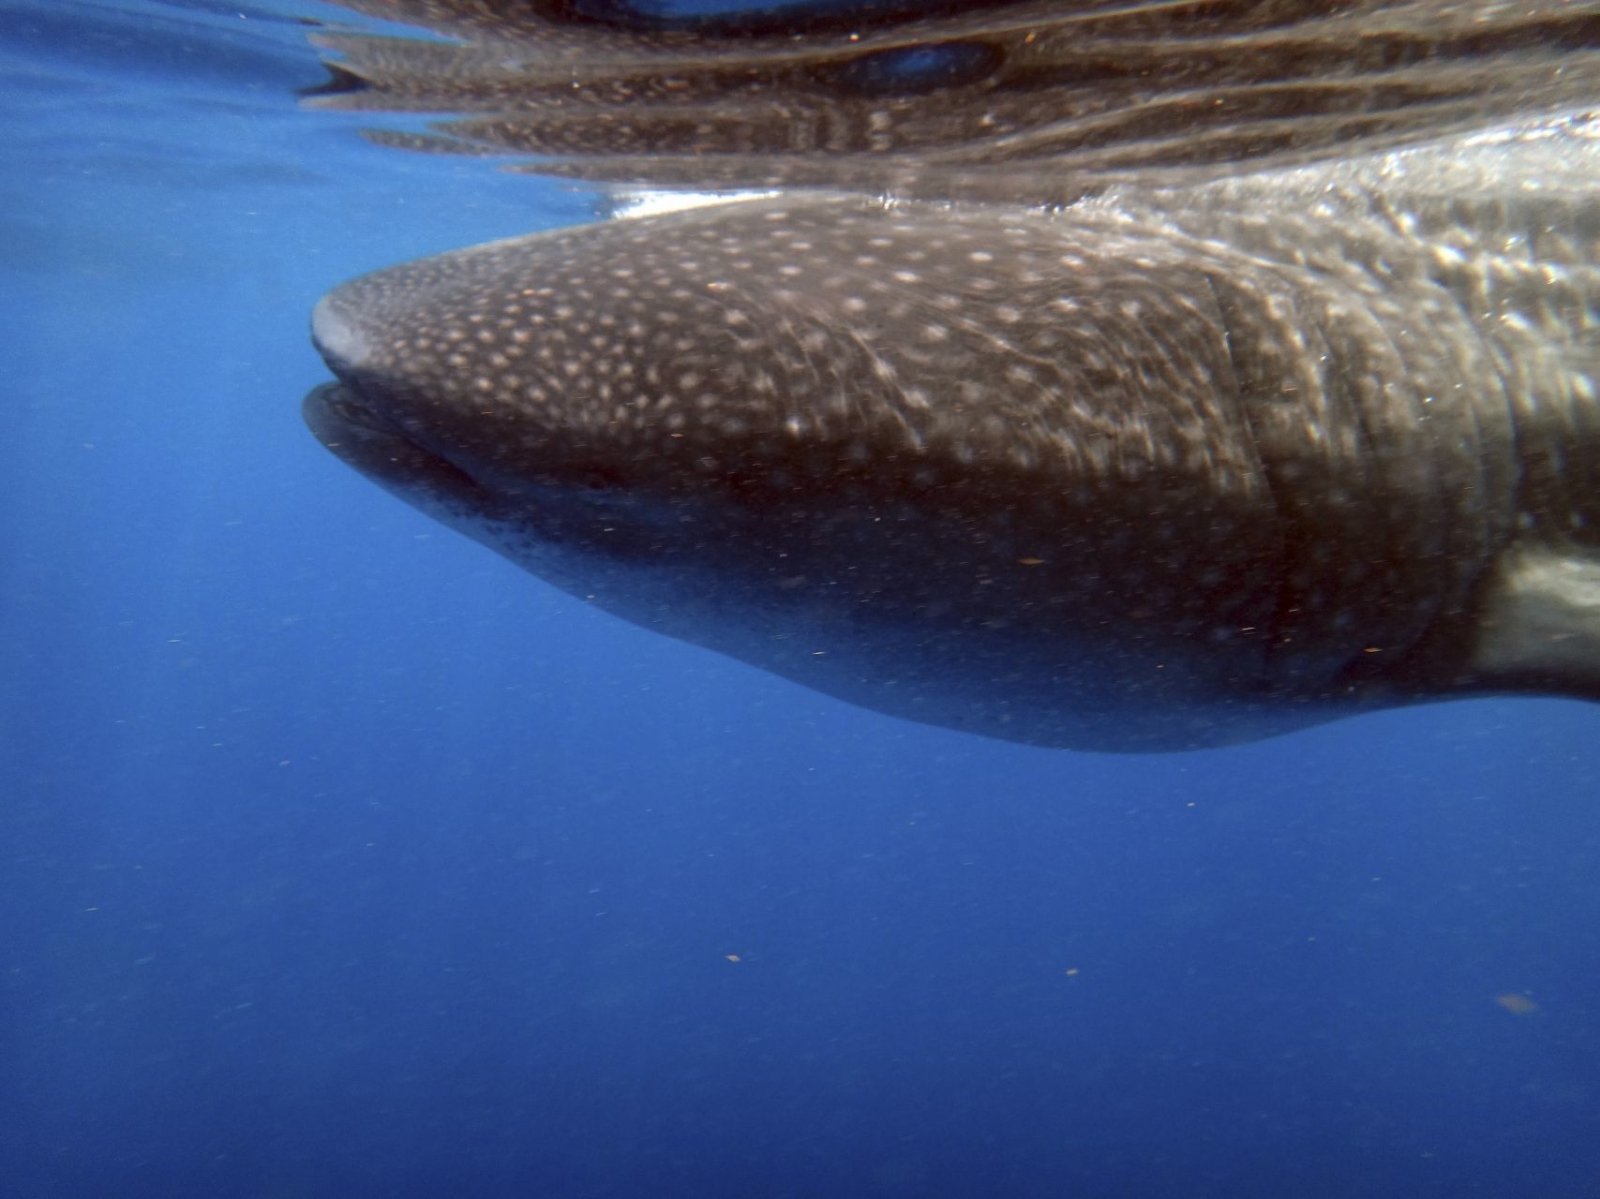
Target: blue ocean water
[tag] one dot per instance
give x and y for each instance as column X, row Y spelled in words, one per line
column 341, row 858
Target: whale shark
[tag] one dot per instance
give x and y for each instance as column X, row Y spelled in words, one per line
column 1169, row 464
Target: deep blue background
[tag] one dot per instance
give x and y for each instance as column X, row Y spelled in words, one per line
column 342, row 859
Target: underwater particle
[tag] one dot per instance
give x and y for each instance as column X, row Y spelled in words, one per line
column 1516, row 1003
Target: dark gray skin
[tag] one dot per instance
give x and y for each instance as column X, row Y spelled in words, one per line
column 1164, row 469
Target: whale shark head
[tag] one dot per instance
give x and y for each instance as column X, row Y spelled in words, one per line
column 1073, row 479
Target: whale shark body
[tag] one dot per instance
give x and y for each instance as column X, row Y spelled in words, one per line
column 1166, row 466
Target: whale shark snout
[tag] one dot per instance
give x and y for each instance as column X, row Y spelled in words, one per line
column 1126, row 476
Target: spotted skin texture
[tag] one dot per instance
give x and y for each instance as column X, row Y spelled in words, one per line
column 1159, row 470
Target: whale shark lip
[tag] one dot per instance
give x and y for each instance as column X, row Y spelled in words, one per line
column 339, row 340
column 338, row 412
column 342, row 419
column 345, row 418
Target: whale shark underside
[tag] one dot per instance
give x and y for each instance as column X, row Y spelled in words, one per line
column 1171, row 463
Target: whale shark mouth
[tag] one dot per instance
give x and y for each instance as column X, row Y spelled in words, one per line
column 361, row 435
column 362, row 431
column 530, row 520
